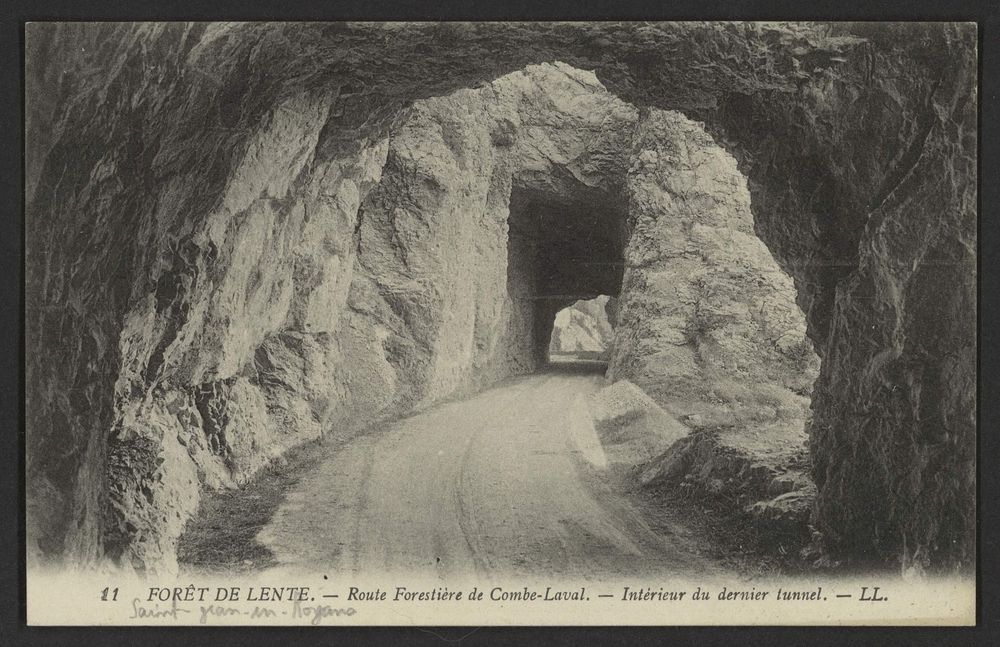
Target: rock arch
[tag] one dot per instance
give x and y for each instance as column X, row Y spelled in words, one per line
column 858, row 143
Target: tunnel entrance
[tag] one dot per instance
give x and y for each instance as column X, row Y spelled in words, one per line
column 582, row 336
column 561, row 250
column 583, row 330
column 453, row 245
column 650, row 214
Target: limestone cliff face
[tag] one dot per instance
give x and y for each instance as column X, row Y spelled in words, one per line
column 243, row 236
column 230, row 348
column 705, row 314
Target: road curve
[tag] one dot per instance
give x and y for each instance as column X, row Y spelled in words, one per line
column 505, row 483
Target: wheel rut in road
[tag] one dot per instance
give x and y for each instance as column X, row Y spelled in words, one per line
column 504, row 483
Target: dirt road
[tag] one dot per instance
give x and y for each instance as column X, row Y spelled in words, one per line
column 508, row 482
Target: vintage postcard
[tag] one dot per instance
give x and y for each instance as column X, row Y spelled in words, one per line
column 500, row 323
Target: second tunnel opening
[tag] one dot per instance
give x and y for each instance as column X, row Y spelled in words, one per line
column 563, row 250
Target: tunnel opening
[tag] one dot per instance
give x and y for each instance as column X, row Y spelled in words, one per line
column 708, row 339
column 582, row 336
column 561, row 250
column 583, row 329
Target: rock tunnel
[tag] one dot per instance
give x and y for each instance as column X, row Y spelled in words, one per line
column 250, row 261
column 575, row 247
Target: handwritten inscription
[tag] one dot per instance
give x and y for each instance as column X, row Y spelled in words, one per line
column 296, row 604
column 313, row 613
column 140, row 611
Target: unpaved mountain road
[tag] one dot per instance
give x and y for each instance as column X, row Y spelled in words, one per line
column 507, row 482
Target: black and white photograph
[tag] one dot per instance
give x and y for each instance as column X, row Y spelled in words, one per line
column 500, row 323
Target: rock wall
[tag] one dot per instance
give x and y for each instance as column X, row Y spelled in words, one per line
column 231, row 348
column 707, row 322
column 894, row 436
column 880, row 152
column 161, row 173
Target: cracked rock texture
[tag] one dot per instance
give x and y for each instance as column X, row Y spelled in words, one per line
column 243, row 236
column 706, row 321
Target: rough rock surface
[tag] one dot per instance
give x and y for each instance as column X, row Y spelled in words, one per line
column 763, row 472
column 194, row 252
column 706, row 320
